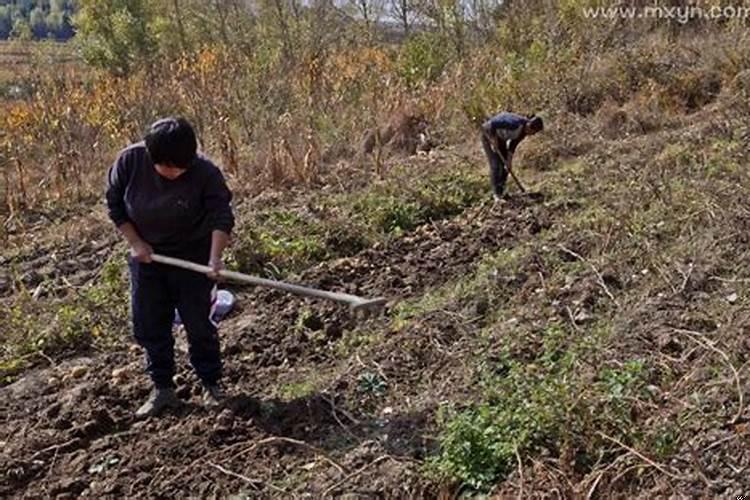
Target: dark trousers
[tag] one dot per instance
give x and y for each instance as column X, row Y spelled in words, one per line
column 156, row 290
column 498, row 172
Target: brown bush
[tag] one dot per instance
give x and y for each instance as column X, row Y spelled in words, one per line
column 612, row 120
column 566, row 135
column 689, row 90
column 404, row 132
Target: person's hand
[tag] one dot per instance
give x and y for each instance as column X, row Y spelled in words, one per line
column 216, row 265
column 141, row 251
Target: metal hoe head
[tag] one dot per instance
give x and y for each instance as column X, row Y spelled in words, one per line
column 369, row 305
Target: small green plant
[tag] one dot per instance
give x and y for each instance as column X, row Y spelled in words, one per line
column 305, row 317
column 620, row 382
column 372, row 384
column 618, row 387
column 10, row 368
column 448, row 194
column 96, row 314
column 395, row 208
column 355, row 340
column 526, row 408
column 664, row 441
column 281, row 238
column 388, row 213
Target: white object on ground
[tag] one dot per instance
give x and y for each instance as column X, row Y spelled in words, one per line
column 221, row 305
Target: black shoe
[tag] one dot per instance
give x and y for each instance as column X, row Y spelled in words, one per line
column 160, row 399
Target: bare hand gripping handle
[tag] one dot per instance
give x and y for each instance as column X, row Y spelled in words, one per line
column 354, row 301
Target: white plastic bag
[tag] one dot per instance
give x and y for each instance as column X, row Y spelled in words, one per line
column 222, row 303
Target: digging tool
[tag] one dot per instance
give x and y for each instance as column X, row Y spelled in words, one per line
column 471, row 162
column 507, row 168
column 520, row 186
column 355, row 302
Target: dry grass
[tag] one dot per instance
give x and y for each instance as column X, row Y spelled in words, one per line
column 270, row 129
column 19, row 60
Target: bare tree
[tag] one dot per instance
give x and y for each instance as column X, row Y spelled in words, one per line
column 404, row 11
column 481, row 14
column 449, row 18
column 370, row 11
column 283, row 13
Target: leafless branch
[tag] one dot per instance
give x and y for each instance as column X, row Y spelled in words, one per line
column 279, row 439
column 599, row 277
column 696, row 337
column 520, row 474
column 659, row 467
column 254, row 483
column 355, row 474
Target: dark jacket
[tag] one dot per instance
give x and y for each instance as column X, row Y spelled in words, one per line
column 168, row 214
column 508, row 128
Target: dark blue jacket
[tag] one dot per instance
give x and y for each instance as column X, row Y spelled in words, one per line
column 510, row 128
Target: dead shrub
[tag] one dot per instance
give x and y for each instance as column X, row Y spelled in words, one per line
column 403, row 133
column 565, row 136
column 689, row 90
column 612, row 120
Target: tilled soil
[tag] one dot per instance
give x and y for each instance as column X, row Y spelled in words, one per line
column 69, row 431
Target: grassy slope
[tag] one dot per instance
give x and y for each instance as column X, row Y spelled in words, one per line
column 605, row 353
column 604, row 350
column 627, row 330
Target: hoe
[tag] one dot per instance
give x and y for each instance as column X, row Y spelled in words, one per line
column 356, row 303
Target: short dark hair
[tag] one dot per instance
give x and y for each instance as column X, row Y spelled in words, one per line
column 171, row 141
column 536, row 123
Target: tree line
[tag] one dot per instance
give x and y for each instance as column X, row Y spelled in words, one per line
column 53, row 19
column 36, row 19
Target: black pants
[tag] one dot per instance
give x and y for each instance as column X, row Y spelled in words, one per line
column 498, row 172
column 156, row 290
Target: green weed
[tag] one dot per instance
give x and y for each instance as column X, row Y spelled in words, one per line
column 96, row 314
column 296, row 390
column 548, row 402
